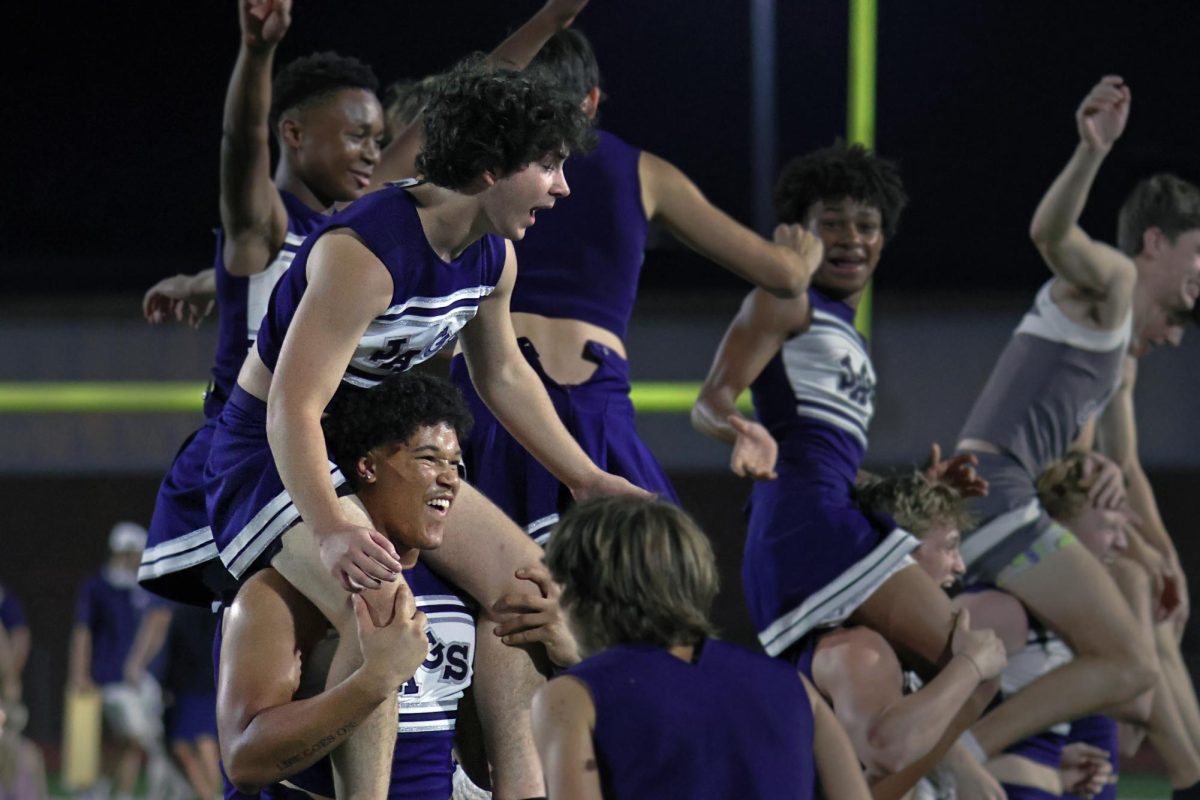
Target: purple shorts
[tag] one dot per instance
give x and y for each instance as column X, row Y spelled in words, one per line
column 193, row 716
column 812, row 554
column 177, row 561
column 248, row 508
column 599, row 415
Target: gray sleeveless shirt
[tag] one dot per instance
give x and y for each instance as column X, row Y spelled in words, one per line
column 1052, row 377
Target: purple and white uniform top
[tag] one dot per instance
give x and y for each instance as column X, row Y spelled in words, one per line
column 432, row 300
column 427, row 704
column 812, row 554
column 180, row 539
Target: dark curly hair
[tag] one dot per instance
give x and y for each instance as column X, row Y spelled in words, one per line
column 498, row 121
column 391, row 412
column 832, row 173
column 1161, row 201
column 568, row 59
column 314, row 78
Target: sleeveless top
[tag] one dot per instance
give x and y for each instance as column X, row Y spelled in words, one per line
column 729, row 724
column 1051, row 378
column 431, row 299
column 583, row 258
column 427, row 704
column 817, row 395
column 242, row 301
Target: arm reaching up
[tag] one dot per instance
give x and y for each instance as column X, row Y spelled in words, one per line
column 1090, row 267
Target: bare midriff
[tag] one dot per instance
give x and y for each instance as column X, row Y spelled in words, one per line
column 560, row 343
column 255, row 378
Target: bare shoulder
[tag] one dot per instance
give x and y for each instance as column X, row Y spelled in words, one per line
column 268, row 603
column 564, row 699
column 853, row 651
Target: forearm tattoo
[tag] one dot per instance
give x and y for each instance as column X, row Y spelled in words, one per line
column 317, row 748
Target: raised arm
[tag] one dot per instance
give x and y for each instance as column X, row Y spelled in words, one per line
column 783, row 268
column 264, row 734
column 398, row 159
column 1089, row 266
column 516, row 51
column 252, row 213
column 348, row 287
column 516, row 396
column 754, row 337
column 563, row 719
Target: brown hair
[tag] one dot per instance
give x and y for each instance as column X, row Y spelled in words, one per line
column 633, row 570
column 917, row 503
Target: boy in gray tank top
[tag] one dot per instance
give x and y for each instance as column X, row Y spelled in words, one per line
column 1058, row 371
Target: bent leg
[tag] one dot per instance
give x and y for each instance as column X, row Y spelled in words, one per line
column 480, row 553
column 1161, row 711
column 361, row 766
column 915, row 616
column 1073, row 595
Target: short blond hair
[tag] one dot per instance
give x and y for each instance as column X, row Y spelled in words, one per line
column 1062, row 487
column 917, row 503
column 633, row 570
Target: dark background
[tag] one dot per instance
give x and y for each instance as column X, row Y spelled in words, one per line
column 114, row 115
column 112, row 128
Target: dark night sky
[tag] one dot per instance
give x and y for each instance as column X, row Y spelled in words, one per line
column 114, row 115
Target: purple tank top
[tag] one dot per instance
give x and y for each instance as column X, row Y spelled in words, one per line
column 730, row 724
column 243, row 301
column 431, row 299
column 817, row 395
column 583, row 258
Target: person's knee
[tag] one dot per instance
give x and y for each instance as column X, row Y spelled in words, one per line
column 1136, row 711
column 1135, row 675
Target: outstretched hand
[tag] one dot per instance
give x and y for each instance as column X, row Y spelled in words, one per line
column 264, row 22
column 1103, row 113
column 604, row 484
column 173, row 298
column 755, row 450
column 531, row 618
column 957, row 472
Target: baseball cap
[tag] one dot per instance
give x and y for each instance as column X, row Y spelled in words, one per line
column 126, row 537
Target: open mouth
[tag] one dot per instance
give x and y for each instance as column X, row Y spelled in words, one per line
column 439, row 504
column 846, row 263
column 363, row 179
